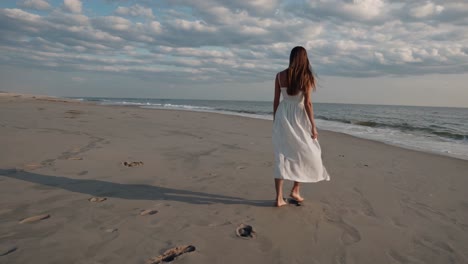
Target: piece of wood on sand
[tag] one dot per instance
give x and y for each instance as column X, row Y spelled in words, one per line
column 35, row 218
column 171, row 254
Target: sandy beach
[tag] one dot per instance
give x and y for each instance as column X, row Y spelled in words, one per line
column 201, row 175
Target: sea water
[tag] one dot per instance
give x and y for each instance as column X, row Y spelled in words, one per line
column 442, row 130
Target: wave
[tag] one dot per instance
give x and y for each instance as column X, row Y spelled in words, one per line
column 434, row 130
column 405, row 127
column 333, row 119
column 258, row 112
column 150, row 105
column 451, row 135
column 176, row 106
column 365, row 123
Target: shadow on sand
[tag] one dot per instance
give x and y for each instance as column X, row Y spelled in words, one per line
column 128, row 191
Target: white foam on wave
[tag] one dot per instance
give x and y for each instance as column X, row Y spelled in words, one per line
column 178, row 107
column 208, row 110
column 255, row 116
column 155, row 105
column 111, row 102
column 398, row 138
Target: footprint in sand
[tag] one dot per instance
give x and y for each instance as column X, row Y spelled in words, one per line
column 148, row 212
column 74, row 112
column 35, row 218
column 75, row 158
column 97, row 199
column 170, row 254
column 367, row 208
column 7, row 250
column 245, row 231
column 350, row 234
column 240, row 167
column 396, row 222
column 132, row 163
column 433, row 245
column 397, row 257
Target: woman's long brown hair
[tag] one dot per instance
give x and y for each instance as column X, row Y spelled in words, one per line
column 300, row 74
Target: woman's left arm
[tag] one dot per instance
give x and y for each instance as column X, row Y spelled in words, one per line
column 310, row 113
column 276, row 100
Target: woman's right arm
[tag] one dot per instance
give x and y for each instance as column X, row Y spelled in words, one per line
column 276, row 100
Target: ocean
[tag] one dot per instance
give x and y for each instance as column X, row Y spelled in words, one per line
column 442, row 130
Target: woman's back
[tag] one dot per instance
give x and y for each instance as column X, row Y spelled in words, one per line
column 297, row 98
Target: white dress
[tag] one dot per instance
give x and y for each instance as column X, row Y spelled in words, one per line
column 298, row 156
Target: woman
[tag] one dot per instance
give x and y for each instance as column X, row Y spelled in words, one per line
column 297, row 150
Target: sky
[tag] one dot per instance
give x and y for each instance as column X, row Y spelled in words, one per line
column 363, row 51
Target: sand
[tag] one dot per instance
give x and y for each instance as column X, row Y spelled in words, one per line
column 197, row 178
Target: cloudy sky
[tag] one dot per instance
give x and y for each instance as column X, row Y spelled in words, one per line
column 364, row 51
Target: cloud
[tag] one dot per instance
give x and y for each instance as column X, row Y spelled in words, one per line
column 113, row 23
column 241, row 41
column 197, row 26
column 135, row 11
column 155, row 27
column 73, row 6
column 34, row 4
column 339, row 10
column 425, row 10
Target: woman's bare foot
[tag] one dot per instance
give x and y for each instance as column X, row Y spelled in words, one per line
column 296, row 197
column 280, row 203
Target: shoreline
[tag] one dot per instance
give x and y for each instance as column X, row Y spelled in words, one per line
column 227, row 113
column 270, row 118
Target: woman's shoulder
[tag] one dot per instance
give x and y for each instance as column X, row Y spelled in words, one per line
column 282, row 73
